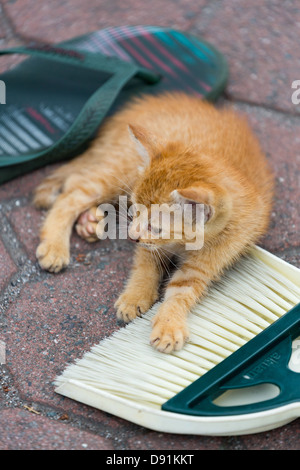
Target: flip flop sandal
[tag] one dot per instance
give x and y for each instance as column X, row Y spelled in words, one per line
column 57, row 98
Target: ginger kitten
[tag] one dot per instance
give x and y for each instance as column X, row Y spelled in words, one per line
column 181, row 150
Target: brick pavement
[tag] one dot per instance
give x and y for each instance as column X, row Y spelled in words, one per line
column 45, row 320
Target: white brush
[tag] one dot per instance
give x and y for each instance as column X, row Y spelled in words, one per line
column 125, row 376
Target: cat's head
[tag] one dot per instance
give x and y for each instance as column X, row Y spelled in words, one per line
column 176, row 199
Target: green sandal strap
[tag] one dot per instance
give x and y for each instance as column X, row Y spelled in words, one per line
column 96, row 107
column 89, row 60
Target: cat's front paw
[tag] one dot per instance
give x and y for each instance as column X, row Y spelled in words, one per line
column 168, row 335
column 132, row 304
column 53, row 256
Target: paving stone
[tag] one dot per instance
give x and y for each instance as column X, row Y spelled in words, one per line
column 149, row 440
column 283, row 438
column 28, row 431
column 58, row 317
column 26, row 222
column 9, row 396
column 291, row 256
column 24, row 185
column 62, row 20
column 7, row 267
column 258, row 38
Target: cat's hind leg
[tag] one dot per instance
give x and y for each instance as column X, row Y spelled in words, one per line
column 96, row 177
column 54, row 184
column 46, row 193
column 79, row 194
column 50, row 188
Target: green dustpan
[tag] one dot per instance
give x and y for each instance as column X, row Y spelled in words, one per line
column 263, row 360
column 57, row 98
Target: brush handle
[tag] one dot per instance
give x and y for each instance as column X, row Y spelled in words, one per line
column 263, row 360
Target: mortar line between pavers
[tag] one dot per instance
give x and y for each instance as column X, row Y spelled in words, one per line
column 25, row 268
column 10, row 240
column 13, row 393
column 14, row 286
column 9, row 24
column 75, row 420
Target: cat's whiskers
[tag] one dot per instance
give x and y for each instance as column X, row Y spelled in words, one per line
column 121, row 189
column 158, row 262
column 173, row 253
column 170, row 260
column 129, row 192
column 162, row 260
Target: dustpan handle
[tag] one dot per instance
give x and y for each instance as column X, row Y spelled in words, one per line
column 262, row 360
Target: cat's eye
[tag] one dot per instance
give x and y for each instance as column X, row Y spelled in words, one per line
column 154, row 230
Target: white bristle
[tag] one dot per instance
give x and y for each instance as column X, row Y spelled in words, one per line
column 249, row 298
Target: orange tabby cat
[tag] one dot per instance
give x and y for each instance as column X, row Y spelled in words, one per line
column 182, row 150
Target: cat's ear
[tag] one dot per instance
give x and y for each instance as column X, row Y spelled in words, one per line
column 145, row 143
column 196, row 195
